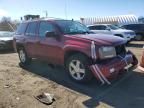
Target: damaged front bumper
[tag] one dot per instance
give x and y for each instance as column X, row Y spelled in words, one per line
column 108, row 69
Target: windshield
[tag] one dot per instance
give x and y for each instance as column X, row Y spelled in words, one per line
column 6, row 34
column 72, row 27
column 113, row 27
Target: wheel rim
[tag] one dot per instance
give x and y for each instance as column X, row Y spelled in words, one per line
column 22, row 56
column 77, row 69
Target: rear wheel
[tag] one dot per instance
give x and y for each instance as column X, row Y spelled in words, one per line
column 77, row 66
column 24, row 59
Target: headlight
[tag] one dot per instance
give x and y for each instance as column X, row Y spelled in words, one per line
column 107, row 52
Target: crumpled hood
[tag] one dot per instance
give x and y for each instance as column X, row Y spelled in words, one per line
column 103, row 39
column 6, row 38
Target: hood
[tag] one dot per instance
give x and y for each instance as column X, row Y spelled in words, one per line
column 102, row 39
column 6, row 38
column 122, row 30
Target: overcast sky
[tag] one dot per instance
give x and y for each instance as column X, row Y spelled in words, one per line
column 71, row 8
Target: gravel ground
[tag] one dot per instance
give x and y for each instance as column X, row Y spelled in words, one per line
column 18, row 87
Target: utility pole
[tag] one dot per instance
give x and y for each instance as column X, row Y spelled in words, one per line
column 46, row 13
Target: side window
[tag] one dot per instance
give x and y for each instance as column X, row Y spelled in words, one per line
column 45, row 26
column 100, row 27
column 103, row 27
column 97, row 27
column 91, row 27
column 21, row 28
column 31, row 29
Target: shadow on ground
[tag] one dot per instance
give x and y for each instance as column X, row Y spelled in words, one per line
column 125, row 92
column 135, row 45
column 6, row 51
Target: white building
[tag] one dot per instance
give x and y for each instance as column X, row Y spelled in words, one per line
column 119, row 20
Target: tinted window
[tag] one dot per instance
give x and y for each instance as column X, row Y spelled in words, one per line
column 31, row 29
column 99, row 27
column 44, row 27
column 21, row 28
column 91, row 27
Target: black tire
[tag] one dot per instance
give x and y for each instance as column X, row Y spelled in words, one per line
column 138, row 37
column 27, row 60
column 84, row 61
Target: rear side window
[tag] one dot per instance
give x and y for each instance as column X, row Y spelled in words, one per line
column 21, row 29
column 31, row 29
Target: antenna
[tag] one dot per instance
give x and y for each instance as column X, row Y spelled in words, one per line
column 46, row 13
column 65, row 9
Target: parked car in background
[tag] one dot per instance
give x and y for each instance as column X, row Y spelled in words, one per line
column 6, row 40
column 142, row 60
column 138, row 28
column 71, row 44
column 113, row 30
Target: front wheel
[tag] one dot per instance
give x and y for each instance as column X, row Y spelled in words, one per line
column 24, row 59
column 77, row 66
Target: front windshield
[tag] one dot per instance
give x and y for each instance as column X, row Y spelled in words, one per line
column 113, row 27
column 72, row 27
column 5, row 34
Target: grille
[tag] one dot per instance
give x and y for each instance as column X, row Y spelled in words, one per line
column 120, row 49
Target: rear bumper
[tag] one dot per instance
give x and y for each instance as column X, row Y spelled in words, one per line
column 112, row 68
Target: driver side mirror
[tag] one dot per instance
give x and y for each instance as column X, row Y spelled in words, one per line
column 49, row 34
column 52, row 34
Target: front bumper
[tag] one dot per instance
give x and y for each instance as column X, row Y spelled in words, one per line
column 129, row 37
column 6, row 45
column 111, row 68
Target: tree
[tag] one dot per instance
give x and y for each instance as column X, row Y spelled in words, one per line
column 6, row 19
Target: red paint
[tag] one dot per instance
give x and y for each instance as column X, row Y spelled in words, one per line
column 54, row 50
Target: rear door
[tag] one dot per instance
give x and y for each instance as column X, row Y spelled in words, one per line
column 31, row 39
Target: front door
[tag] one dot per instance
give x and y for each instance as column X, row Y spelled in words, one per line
column 49, row 48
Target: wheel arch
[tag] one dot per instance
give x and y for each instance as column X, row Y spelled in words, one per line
column 74, row 52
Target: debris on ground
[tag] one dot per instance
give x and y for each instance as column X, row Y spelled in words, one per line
column 46, row 98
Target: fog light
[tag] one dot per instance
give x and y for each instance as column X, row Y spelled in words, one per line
column 112, row 70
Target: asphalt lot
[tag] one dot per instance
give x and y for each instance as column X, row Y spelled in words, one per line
column 125, row 92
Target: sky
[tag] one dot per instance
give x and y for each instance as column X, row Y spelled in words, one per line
column 71, row 8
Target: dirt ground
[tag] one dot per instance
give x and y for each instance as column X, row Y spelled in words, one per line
column 18, row 87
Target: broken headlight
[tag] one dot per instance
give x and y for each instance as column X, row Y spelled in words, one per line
column 107, row 52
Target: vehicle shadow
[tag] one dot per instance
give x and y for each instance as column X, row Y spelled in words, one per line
column 6, row 51
column 135, row 45
column 125, row 92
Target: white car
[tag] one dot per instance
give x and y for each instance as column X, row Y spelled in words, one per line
column 112, row 30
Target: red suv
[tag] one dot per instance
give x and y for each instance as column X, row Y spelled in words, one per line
column 70, row 43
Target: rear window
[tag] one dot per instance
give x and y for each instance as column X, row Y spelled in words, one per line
column 21, row 28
